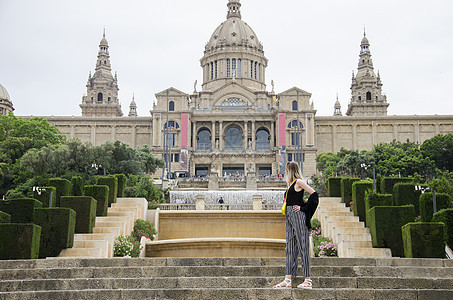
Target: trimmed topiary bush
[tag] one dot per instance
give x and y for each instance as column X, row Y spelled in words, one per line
column 112, row 182
column 426, row 204
column 121, row 184
column 101, row 194
column 378, row 183
column 77, row 186
column 346, row 189
column 20, row 210
column 446, row 216
column 63, row 187
column 404, row 193
column 85, row 208
column 333, row 187
column 19, row 241
column 387, row 183
column 424, row 240
column 385, row 224
column 57, row 230
column 44, row 196
column 4, row 217
column 358, row 198
column 373, row 199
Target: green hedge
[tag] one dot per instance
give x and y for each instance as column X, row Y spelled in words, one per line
column 21, row 210
column 346, row 189
column 373, row 199
column 426, row 204
column 333, row 187
column 19, row 241
column 112, row 182
column 358, row 198
column 387, row 183
column 85, row 208
column 63, row 187
column 57, row 230
column 378, row 183
column 101, row 194
column 44, row 196
column 404, row 193
column 77, row 186
column 385, row 226
column 4, row 217
column 121, row 184
column 446, row 216
column 424, row 240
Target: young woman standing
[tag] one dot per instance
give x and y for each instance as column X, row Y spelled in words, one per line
column 298, row 215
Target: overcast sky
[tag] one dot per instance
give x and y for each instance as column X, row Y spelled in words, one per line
column 47, row 49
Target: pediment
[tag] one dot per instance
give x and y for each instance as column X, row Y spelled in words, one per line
column 293, row 92
column 171, row 92
column 233, row 95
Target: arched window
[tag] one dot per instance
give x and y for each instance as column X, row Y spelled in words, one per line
column 171, row 106
column 204, row 139
column 212, row 70
column 171, row 124
column 294, row 106
column 100, row 97
column 228, row 68
column 239, row 68
column 233, row 64
column 256, row 64
column 360, row 98
column 368, row 96
column 233, row 139
column 293, row 124
column 251, row 69
column 262, row 139
column 215, row 64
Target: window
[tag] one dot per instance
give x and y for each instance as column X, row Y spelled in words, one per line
column 174, row 157
column 293, row 124
column 204, row 139
column 108, row 99
column 212, row 71
column 256, row 63
column 368, row 96
column 290, row 157
column 100, row 97
column 360, row 99
column 171, row 139
column 251, row 69
column 228, row 67
column 171, row 106
column 262, row 139
column 215, row 63
column 239, row 68
column 233, row 65
column 259, row 71
column 171, row 124
column 294, row 105
column 295, row 139
column 233, row 139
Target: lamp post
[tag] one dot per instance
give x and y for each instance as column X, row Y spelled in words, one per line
column 39, row 190
column 423, row 189
column 96, row 166
column 365, row 166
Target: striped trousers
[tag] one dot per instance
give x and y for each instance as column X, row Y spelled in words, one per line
column 297, row 242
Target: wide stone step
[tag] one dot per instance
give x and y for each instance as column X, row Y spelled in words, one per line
column 220, row 282
column 234, row 293
column 226, row 271
column 84, row 252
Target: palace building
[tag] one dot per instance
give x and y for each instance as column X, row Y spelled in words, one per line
column 235, row 123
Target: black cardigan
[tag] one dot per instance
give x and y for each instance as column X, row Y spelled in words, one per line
column 310, row 207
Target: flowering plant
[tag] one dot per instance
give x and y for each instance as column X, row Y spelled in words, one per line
column 325, row 247
column 122, row 246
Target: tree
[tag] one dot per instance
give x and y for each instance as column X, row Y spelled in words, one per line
column 440, row 150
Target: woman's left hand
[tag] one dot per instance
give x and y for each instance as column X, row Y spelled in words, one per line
column 296, row 207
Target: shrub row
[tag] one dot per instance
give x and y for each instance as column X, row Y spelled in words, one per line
column 424, row 240
column 446, row 216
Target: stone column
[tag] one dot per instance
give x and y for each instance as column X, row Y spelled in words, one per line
column 221, row 141
column 213, row 135
column 257, row 202
column 246, row 138
column 194, row 136
column 200, row 204
column 253, row 136
column 272, row 135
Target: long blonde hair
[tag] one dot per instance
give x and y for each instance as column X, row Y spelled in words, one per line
column 292, row 172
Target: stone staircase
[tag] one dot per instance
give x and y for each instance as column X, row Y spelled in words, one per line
column 353, row 239
column 223, row 278
column 119, row 221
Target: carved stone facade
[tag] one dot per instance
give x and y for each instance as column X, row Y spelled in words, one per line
column 233, row 124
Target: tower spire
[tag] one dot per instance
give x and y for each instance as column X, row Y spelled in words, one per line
column 234, row 9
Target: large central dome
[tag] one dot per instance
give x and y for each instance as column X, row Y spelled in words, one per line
column 234, row 54
column 233, row 32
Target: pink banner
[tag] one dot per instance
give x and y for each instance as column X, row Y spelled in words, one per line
column 281, row 129
column 184, row 130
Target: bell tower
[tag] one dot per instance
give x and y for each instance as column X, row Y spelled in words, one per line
column 366, row 87
column 102, row 88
